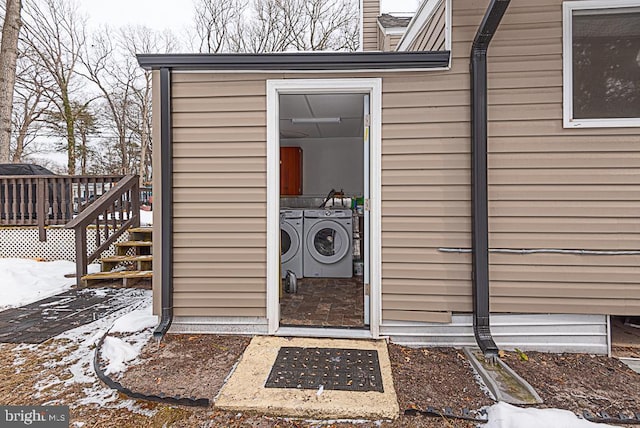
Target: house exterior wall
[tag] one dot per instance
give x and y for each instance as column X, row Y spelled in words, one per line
column 388, row 42
column 549, row 187
column 370, row 13
column 432, row 34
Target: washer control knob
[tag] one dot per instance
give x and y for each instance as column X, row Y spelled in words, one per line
column 327, row 213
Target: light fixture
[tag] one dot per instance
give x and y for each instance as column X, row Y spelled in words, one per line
column 305, row 120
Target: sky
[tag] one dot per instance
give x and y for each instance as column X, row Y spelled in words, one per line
column 162, row 14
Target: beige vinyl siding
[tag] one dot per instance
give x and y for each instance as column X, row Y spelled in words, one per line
column 552, row 187
column 433, row 32
column 219, row 149
column 549, row 187
column 370, row 13
column 388, row 42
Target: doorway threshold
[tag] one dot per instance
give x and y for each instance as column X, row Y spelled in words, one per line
column 334, row 333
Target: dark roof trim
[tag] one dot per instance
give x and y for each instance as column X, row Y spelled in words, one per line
column 297, row 61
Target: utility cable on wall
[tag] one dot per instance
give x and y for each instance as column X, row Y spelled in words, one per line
column 548, row 251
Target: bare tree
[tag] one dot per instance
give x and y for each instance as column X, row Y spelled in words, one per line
column 8, row 58
column 125, row 91
column 134, row 40
column 276, row 25
column 328, row 25
column 86, row 127
column 30, row 106
column 266, row 29
column 114, row 77
column 55, row 32
column 215, row 22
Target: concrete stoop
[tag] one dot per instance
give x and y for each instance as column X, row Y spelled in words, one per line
column 245, row 389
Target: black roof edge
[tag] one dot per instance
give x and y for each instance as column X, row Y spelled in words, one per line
column 297, row 61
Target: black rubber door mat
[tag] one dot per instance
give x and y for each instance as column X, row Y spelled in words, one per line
column 330, row 368
column 47, row 318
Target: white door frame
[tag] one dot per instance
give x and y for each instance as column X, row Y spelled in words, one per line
column 372, row 86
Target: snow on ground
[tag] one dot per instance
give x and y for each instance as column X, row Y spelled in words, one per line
column 503, row 415
column 76, row 348
column 118, row 352
column 146, row 218
column 24, row 281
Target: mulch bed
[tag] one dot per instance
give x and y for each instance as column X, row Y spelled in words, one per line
column 186, row 365
column 579, row 381
column 436, row 377
column 196, row 365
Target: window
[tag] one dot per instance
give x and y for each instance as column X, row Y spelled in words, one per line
column 601, row 63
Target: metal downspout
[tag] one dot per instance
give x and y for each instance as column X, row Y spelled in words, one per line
column 479, row 196
column 166, row 174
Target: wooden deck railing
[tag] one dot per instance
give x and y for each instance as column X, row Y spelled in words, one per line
column 111, row 214
column 46, row 200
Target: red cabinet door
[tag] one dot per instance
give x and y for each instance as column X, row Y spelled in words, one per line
column 290, row 171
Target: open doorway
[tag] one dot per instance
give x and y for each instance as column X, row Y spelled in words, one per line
column 323, row 149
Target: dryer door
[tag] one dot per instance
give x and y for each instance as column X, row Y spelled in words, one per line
column 327, row 242
column 289, row 242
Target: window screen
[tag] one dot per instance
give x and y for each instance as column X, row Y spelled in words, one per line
column 606, row 63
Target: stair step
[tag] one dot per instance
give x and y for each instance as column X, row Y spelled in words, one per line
column 128, row 277
column 119, row 275
column 134, row 244
column 120, row 259
column 141, row 230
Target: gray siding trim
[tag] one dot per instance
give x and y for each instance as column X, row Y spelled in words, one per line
column 539, row 332
column 219, row 325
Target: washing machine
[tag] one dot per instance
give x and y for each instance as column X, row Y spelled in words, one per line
column 291, row 241
column 327, row 244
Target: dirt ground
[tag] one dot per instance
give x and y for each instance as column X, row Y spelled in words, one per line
column 196, row 365
column 580, row 382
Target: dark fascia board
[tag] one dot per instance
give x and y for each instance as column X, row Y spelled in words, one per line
column 297, row 61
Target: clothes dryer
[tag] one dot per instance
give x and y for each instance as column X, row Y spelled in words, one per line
column 327, row 244
column 291, row 242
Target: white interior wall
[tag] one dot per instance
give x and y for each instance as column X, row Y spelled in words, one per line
column 330, row 163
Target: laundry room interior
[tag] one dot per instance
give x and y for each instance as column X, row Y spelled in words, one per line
column 322, row 216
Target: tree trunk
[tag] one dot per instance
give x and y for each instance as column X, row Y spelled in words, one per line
column 71, row 135
column 8, row 57
column 17, row 154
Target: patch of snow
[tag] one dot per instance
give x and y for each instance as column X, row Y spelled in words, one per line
column 76, row 351
column 118, row 353
column 134, row 321
column 24, row 281
column 146, row 218
column 503, row 415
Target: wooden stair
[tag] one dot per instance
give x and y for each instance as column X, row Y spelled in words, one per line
column 131, row 265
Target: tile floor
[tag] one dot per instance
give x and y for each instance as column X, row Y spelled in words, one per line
column 324, row 302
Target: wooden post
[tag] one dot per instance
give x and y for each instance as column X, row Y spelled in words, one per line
column 81, row 254
column 41, row 212
column 135, row 203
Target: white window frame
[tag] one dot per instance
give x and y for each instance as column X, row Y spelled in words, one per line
column 567, row 65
